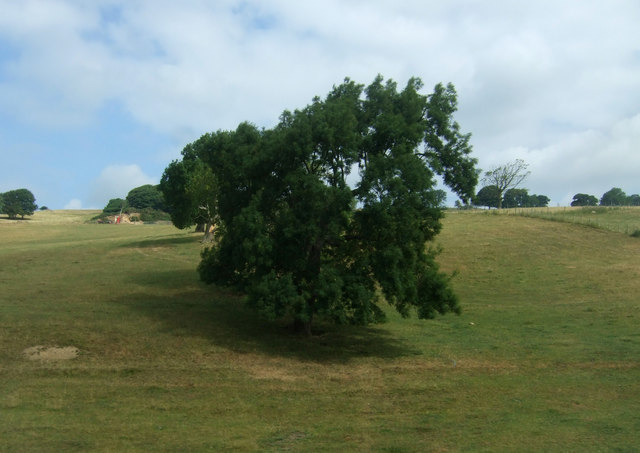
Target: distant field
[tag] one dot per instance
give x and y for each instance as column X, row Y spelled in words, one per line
column 621, row 219
column 56, row 217
column 135, row 354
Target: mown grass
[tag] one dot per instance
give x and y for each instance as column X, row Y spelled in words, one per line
column 545, row 356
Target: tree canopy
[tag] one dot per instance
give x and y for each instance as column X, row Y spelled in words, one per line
column 633, row 200
column 583, row 199
column 614, row 197
column 520, row 198
column 19, row 202
column 190, row 189
column 147, row 196
column 303, row 237
column 516, row 198
column 115, row 206
column 488, row 196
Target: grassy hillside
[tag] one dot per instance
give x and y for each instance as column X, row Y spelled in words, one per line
column 621, row 219
column 57, row 217
column 545, row 357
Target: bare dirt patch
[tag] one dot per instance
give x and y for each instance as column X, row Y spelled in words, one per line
column 51, row 353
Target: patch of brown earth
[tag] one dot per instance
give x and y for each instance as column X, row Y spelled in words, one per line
column 51, row 353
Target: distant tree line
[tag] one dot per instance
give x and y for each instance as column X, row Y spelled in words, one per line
column 612, row 197
column 501, row 189
column 490, row 197
column 146, row 200
column 19, row 202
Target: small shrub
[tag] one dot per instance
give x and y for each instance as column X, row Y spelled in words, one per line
column 635, row 234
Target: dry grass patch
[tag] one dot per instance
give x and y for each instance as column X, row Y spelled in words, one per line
column 52, row 353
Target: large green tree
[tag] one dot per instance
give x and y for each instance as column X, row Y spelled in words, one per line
column 488, row 196
column 516, row 198
column 190, row 189
column 583, row 199
column 301, row 241
column 614, row 197
column 147, row 196
column 19, row 202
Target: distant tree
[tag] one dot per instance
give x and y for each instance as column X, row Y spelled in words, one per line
column 190, row 189
column 173, row 185
column 539, row 201
column 440, row 197
column 582, row 199
column 19, row 202
column 516, row 198
column 520, row 198
column 507, row 176
column 633, row 200
column 488, row 196
column 146, row 196
column 614, row 197
column 115, row 206
column 301, row 242
column 44, row 208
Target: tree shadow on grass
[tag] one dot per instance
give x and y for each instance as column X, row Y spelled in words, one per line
column 192, row 308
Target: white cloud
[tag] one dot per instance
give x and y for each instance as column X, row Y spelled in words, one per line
column 73, row 204
column 589, row 162
column 115, row 181
column 554, row 83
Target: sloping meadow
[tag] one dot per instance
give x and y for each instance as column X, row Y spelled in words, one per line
column 545, row 356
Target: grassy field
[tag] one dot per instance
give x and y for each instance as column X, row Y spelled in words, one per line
column 621, row 219
column 545, row 357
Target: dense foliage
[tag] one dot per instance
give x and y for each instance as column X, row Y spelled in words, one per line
column 303, row 236
column 19, row 202
column 520, row 198
column 617, row 197
column 146, row 201
column 583, row 199
column 146, row 197
column 190, row 189
column 115, row 206
column 614, row 197
column 488, row 196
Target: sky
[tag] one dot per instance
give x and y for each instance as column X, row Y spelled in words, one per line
column 98, row 97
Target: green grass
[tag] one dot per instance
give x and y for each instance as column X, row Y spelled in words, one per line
column 545, row 357
column 620, row 219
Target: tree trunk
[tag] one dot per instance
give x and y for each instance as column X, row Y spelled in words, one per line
column 208, row 233
column 303, row 327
